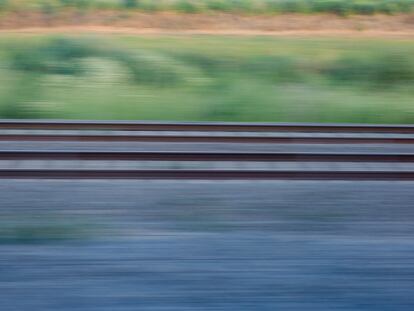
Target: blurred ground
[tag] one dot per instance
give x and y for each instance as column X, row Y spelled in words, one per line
column 120, row 245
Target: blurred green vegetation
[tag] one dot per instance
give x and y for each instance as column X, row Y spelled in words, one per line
column 31, row 234
column 342, row 7
column 207, row 78
column 20, row 229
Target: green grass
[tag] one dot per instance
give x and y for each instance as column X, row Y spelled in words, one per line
column 43, row 229
column 341, row 7
column 205, row 78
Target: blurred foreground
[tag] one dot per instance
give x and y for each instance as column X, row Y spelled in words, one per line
column 102, row 245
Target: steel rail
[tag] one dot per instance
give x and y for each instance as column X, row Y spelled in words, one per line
column 206, row 175
column 206, row 156
column 203, row 126
column 205, row 139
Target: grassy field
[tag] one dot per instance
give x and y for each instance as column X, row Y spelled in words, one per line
column 207, row 78
column 342, row 7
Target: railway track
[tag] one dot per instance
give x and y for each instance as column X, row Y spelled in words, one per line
column 206, row 156
column 205, row 127
column 204, row 133
column 204, row 174
column 205, row 139
column 173, row 132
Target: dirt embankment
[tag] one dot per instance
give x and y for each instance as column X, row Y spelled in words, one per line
column 401, row 25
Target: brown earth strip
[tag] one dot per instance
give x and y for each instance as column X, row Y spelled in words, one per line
column 401, row 25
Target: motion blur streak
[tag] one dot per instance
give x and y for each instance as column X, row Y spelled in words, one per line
column 264, row 245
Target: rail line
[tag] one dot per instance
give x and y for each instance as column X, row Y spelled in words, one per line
column 206, row 156
column 210, row 174
column 205, row 139
column 203, row 126
column 205, row 174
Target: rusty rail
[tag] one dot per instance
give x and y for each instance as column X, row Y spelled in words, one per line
column 206, row 156
column 206, row 175
column 206, row 139
column 203, row 126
